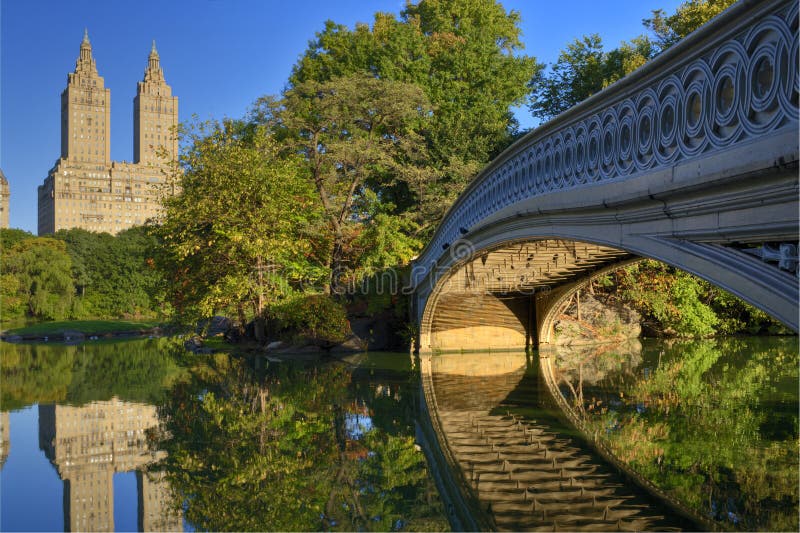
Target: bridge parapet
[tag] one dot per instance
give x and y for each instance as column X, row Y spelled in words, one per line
column 731, row 83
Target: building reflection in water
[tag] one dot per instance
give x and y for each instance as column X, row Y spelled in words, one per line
column 87, row 445
column 5, row 438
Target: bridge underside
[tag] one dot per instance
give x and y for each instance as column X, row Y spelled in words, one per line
column 497, row 299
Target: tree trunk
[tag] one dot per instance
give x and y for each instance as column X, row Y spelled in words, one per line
column 260, row 329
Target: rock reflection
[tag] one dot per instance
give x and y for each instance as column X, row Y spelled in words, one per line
column 524, row 468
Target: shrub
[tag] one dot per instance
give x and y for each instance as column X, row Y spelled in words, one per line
column 317, row 317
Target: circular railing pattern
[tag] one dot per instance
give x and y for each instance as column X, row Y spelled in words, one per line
column 746, row 87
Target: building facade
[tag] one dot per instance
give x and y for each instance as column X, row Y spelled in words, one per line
column 85, row 189
column 5, row 196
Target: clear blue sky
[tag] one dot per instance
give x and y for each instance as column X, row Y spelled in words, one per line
column 218, row 55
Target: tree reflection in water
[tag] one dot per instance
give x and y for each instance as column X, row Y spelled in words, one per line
column 297, row 447
column 712, row 422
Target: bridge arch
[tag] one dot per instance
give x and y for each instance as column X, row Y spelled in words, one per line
column 691, row 160
column 507, row 294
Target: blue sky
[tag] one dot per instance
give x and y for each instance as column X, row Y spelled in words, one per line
column 218, row 55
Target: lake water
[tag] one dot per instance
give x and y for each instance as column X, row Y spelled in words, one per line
column 140, row 435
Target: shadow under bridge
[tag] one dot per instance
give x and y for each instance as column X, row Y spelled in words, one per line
column 505, row 298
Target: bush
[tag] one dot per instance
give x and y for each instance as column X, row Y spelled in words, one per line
column 318, row 318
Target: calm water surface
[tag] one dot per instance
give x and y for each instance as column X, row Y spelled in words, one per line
column 714, row 423
column 138, row 435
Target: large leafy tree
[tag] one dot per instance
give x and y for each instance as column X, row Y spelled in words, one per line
column 240, row 230
column 464, row 54
column 354, row 135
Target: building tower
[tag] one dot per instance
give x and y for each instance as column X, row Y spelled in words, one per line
column 155, row 115
column 5, row 195
column 85, row 188
column 86, row 112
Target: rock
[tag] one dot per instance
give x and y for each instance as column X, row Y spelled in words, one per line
column 71, row 335
column 295, row 349
column 274, row 345
column 597, row 322
column 195, row 345
column 233, row 335
column 216, row 325
column 352, row 344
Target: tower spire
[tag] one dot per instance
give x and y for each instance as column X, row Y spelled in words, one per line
column 85, row 61
column 153, row 71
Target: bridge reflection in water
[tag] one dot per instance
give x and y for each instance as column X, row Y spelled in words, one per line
column 517, row 462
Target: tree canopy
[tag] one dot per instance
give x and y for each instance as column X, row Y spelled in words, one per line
column 464, row 56
column 242, row 225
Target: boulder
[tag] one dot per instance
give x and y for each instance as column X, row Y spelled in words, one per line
column 195, row 345
column 587, row 320
column 274, row 345
column 352, row 344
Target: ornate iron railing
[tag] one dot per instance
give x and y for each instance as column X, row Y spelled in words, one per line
column 732, row 81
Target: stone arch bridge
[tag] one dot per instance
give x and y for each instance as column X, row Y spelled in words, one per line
column 691, row 160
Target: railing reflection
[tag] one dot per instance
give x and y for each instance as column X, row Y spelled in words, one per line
column 526, row 469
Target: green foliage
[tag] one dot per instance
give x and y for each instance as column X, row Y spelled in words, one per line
column 11, row 236
column 584, row 68
column 355, row 134
column 36, row 280
column 242, row 226
column 386, row 241
column 131, row 370
column 78, row 274
column 690, row 15
column 314, row 317
column 464, row 55
column 714, row 423
column 675, row 303
column 670, row 298
column 114, row 275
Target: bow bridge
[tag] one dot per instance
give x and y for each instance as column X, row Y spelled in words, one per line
column 691, row 160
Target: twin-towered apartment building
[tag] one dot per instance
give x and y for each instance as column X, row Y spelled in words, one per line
column 85, row 189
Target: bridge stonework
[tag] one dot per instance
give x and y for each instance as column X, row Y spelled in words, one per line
column 691, row 160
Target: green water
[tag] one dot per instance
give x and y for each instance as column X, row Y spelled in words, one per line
column 154, row 437
column 139, row 434
column 714, row 423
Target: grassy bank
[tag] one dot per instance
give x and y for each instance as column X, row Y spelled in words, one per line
column 87, row 327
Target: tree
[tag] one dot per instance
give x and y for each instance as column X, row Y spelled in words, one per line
column 689, row 16
column 584, row 69
column 112, row 274
column 352, row 133
column 36, row 279
column 578, row 74
column 464, row 54
column 241, row 227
